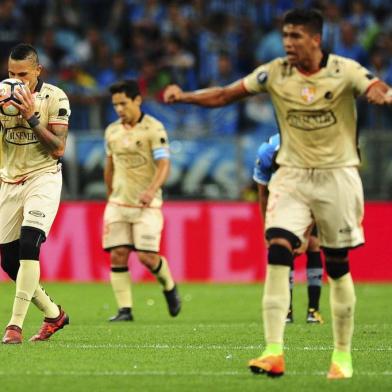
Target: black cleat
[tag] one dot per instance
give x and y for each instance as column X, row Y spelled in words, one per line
column 173, row 301
column 289, row 317
column 124, row 314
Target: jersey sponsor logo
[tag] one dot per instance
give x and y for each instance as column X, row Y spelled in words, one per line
column 262, row 77
column 308, row 93
column 37, row 213
column 134, row 161
column 309, row 120
column 20, row 135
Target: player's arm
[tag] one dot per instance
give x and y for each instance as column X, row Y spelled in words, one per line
column 263, row 198
column 210, row 97
column 379, row 93
column 108, row 174
column 52, row 138
column 161, row 174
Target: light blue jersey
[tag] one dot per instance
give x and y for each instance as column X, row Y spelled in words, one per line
column 264, row 165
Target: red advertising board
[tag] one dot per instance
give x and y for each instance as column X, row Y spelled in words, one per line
column 203, row 241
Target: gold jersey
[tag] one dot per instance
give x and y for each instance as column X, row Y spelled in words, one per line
column 22, row 154
column 133, row 159
column 316, row 113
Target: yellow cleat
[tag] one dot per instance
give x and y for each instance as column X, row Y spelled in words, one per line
column 314, row 317
column 272, row 365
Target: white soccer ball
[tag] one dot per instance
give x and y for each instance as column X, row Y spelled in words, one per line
column 7, row 98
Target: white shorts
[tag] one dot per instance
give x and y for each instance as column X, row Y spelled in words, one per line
column 33, row 203
column 139, row 228
column 332, row 198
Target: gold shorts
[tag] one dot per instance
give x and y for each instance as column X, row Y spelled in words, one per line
column 332, row 198
column 139, row 228
column 33, row 203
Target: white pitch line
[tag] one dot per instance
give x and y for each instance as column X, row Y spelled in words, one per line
column 164, row 346
column 133, row 373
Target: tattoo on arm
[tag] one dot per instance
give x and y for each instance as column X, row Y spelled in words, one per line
column 53, row 139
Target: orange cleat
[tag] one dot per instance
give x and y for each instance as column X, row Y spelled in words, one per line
column 51, row 326
column 337, row 372
column 13, row 335
column 272, row 365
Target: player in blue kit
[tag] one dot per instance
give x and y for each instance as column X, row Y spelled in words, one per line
column 264, row 168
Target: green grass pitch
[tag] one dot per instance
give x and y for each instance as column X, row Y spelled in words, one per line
column 206, row 348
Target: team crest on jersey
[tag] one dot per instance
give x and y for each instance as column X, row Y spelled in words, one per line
column 308, row 94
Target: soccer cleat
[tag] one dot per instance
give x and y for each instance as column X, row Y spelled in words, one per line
column 337, row 371
column 13, row 335
column 314, row 317
column 124, row 314
column 173, row 301
column 51, row 326
column 271, row 365
column 289, row 317
column 341, row 366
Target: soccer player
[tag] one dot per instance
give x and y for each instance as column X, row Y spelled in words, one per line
column 32, row 144
column 313, row 94
column 264, row 168
column 137, row 165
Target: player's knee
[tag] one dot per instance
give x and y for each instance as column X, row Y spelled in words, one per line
column 336, row 262
column 10, row 258
column 149, row 259
column 274, row 233
column 119, row 256
column 30, row 243
column 280, row 255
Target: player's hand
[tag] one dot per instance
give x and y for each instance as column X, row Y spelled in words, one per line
column 27, row 102
column 172, row 93
column 380, row 94
column 146, row 198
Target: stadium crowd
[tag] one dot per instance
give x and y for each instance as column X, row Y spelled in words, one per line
column 85, row 45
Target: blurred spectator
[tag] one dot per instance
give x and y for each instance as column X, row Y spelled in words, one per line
column 224, row 120
column 152, row 79
column 271, row 45
column 331, row 28
column 180, row 63
column 216, row 37
column 50, row 53
column 11, row 27
column 348, row 45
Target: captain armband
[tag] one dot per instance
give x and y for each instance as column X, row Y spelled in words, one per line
column 161, row 153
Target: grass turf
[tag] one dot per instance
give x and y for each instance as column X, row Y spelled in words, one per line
column 206, row 348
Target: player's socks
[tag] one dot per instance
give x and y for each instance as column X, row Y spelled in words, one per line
column 121, row 285
column 163, row 274
column 314, row 273
column 44, row 303
column 276, row 301
column 342, row 299
column 341, row 365
column 26, row 284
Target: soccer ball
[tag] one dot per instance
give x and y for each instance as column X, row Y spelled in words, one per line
column 7, row 89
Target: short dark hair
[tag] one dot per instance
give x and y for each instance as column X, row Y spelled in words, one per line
column 310, row 18
column 129, row 87
column 24, row 51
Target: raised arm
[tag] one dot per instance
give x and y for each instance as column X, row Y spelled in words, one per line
column 379, row 93
column 209, row 97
